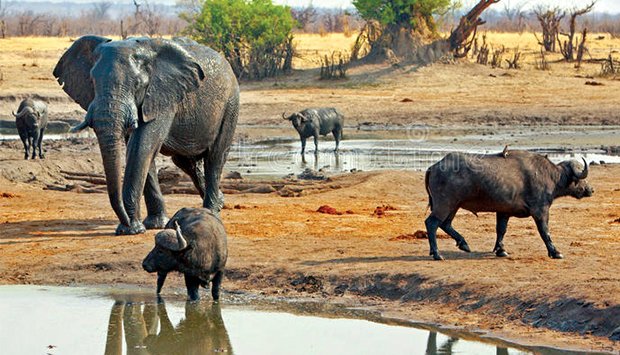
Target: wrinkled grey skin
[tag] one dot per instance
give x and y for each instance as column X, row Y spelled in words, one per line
column 154, row 95
column 31, row 121
column 196, row 247
column 511, row 184
column 313, row 122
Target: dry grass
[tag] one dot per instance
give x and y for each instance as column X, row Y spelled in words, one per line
column 441, row 93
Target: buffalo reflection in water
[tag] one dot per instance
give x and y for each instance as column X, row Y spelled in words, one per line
column 202, row 331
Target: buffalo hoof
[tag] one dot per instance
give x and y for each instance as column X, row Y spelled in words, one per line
column 556, row 255
column 463, row 246
column 501, row 253
column 155, row 222
column 436, row 256
column 135, row 228
column 41, row 156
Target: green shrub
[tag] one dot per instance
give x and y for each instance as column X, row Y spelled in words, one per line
column 254, row 35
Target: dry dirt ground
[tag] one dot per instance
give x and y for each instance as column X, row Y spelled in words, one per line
column 282, row 247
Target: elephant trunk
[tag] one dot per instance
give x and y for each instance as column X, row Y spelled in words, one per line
column 112, row 154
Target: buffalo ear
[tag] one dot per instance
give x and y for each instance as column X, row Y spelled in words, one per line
column 174, row 73
column 73, row 69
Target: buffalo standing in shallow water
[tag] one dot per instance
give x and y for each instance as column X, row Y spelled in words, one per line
column 31, row 121
column 196, row 247
column 512, row 184
column 313, row 122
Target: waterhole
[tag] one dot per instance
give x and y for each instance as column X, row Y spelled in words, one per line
column 71, row 320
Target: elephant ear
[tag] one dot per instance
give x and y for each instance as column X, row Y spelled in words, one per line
column 73, row 69
column 175, row 72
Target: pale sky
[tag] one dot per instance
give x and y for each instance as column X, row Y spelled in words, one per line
column 611, row 6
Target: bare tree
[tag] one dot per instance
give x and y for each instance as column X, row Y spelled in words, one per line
column 27, row 22
column 515, row 15
column 304, row 16
column 100, row 10
column 570, row 44
column 459, row 38
column 4, row 12
column 550, row 19
column 148, row 18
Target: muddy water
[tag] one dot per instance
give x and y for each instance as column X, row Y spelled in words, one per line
column 63, row 320
column 275, row 151
column 413, row 148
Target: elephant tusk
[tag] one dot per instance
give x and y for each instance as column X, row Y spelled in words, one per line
column 79, row 127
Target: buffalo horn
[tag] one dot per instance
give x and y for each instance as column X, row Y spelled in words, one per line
column 584, row 173
column 180, row 238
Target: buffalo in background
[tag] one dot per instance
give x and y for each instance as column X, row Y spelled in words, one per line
column 313, row 122
column 31, row 121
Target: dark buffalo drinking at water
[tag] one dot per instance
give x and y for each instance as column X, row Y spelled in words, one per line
column 511, row 184
column 313, row 122
column 193, row 243
column 31, row 121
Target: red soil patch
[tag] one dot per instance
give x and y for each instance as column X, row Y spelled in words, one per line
column 8, row 195
column 327, row 209
column 380, row 211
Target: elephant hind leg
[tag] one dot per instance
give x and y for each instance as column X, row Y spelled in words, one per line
column 216, row 158
column 192, row 168
column 156, row 208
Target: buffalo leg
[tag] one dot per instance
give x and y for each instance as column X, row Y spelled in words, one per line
column 155, row 206
column 161, row 279
column 41, row 155
column 500, row 229
column 24, row 138
column 432, row 223
column 193, row 284
column 215, row 285
column 34, row 143
column 192, row 168
column 303, row 146
column 337, row 136
column 461, row 243
column 542, row 223
column 316, row 143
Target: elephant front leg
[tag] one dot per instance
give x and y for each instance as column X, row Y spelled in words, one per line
column 155, row 205
column 141, row 150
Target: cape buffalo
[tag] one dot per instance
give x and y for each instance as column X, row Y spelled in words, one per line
column 513, row 183
column 31, row 121
column 193, row 243
column 313, row 122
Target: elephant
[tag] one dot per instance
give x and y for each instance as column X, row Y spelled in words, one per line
column 31, row 121
column 153, row 95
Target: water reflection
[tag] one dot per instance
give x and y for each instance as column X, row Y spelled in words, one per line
column 147, row 329
column 444, row 349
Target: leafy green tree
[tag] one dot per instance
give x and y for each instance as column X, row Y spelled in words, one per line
column 412, row 14
column 254, row 35
column 399, row 26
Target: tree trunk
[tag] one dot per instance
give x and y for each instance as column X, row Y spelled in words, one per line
column 469, row 24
